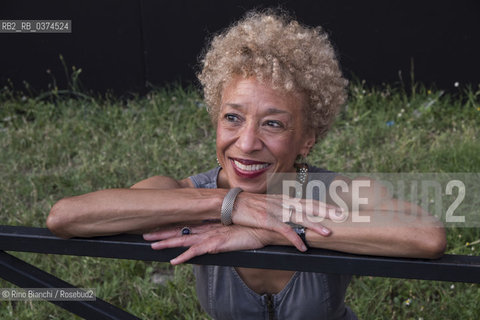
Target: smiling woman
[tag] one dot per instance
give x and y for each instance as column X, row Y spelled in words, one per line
column 259, row 131
column 273, row 88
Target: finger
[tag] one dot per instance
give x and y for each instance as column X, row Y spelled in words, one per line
column 189, row 254
column 288, row 202
column 182, row 241
column 161, row 234
column 336, row 214
column 325, row 211
column 317, row 211
column 210, row 245
column 174, row 232
column 270, row 222
column 319, row 228
column 290, row 235
column 310, row 222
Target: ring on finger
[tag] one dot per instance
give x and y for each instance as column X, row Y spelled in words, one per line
column 186, row 231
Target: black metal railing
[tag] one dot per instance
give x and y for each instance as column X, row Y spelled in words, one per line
column 455, row 268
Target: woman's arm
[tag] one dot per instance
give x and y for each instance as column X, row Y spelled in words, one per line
column 162, row 201
column 378, row 224
column 147, row 205
column 395, row 228
column 417, row 238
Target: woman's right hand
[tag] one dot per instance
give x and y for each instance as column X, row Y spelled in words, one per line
column 211, row 238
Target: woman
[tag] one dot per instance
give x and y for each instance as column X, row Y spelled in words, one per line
column 273, row 88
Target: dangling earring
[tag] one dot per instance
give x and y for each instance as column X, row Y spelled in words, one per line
column 302, row 168
column 219, row 163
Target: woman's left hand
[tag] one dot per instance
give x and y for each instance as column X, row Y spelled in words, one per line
column 210, row 238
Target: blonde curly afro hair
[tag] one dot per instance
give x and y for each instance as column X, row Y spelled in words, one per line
column 279, row 51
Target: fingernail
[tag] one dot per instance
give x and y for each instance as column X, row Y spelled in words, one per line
column 325, row 230
column 173, row 261
column 304, row 248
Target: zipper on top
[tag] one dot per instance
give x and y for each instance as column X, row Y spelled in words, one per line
column 270, row 307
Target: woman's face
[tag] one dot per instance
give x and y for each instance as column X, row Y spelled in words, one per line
column 259, row 131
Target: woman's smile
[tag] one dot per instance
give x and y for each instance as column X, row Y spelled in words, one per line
column 249, row 168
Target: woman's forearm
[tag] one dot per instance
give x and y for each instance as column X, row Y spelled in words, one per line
column 395, row 241
column 116, row 211
column 410, row 233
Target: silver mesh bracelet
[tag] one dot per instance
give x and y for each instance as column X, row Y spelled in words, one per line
column 227, row 206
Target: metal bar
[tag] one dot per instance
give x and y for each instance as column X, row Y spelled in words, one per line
column 25, row 275
column 449, row 268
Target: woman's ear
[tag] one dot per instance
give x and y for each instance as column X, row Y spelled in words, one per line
column 308, row 143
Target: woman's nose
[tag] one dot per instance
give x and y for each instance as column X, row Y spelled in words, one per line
column 249, row 140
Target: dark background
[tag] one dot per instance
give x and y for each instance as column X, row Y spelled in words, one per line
column 131, row 45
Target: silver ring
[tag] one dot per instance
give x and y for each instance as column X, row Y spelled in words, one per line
column 186, row 231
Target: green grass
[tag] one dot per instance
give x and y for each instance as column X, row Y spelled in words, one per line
column 53, row 146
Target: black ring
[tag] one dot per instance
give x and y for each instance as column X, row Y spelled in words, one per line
column 301, row 231
column 186, row 231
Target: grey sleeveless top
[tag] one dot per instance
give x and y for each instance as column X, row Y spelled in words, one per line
column 224, row 295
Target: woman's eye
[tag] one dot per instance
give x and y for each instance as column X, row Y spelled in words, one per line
column 274, row 124
column 231, row 117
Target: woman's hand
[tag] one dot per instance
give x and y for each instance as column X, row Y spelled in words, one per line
column 272, row 211
column 210, row 238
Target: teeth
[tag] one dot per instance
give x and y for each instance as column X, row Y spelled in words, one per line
column 250, row 167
